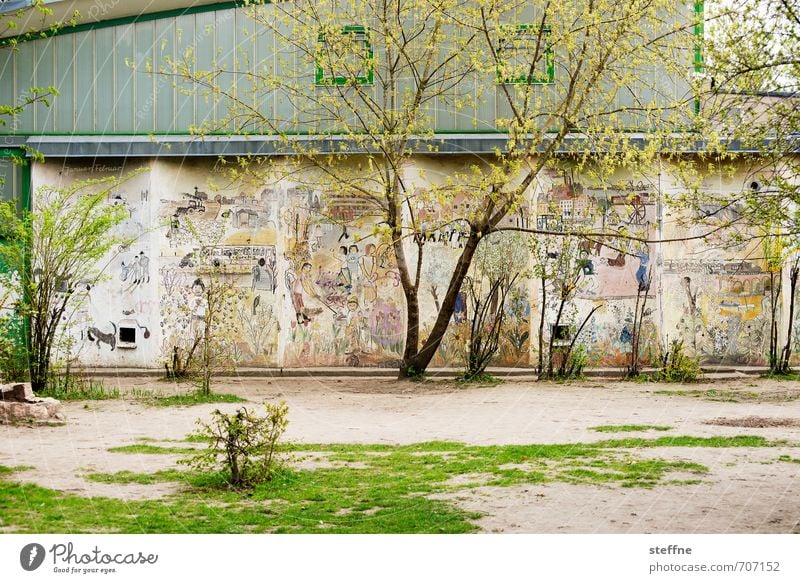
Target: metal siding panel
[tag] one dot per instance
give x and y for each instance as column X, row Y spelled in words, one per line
column 467, row 116
column 487, row 104
column 245, row 57
column 285, row 58
column 143, row 80
column 24, row 75
column 64, row 106
column 186, row 40
column 105, row 97
column 123, row 78
column 44, row 115
column 264, row 66
column 164, row 47
column 84, row 70
column 204, row 52
column 225, row 28
column 6, row 84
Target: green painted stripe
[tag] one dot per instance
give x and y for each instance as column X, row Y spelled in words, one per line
column 121, row 21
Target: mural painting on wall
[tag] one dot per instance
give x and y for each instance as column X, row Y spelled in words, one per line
column 234, row 235
column 717, row 289
column 443, row 237
column 113, row 313
column 614, row 270
column 345, row 302
column 724, row 309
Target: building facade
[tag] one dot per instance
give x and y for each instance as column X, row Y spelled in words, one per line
column 315, row 283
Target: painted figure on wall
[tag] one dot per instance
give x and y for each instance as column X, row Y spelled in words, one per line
column 368, row 267
column 303, row 289
column 263, row 275
column 198, row 308
column 355, row 330
column 344, row 279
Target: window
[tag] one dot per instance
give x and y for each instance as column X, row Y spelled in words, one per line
column 344, row 57
column 522, row 58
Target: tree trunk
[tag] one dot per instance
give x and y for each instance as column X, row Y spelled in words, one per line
column 773, row 325
column 787, row 349
column 549, row 374
column 542, row 310
column 415, row 364
column 412, row 331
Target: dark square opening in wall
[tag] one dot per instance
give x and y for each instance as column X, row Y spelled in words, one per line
column 127, row 335
column 560, row 332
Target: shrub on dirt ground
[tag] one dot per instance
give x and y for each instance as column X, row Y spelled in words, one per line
column 242, row 445
column 676, row 366
column 13, row 357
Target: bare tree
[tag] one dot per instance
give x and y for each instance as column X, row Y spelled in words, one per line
column 365, row 79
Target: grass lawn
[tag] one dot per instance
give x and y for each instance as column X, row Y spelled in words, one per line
column 346, row 488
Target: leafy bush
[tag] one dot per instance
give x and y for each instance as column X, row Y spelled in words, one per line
column 242, row 445
column 13, row 356
column 575, row 362
column 676, row 366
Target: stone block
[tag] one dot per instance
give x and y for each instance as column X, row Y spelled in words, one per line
column 39, row 412
column 21, row 392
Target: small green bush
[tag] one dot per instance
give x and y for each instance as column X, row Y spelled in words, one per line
column 13, row 356
column 676, row 366
column 242, row 445
column 576, row 362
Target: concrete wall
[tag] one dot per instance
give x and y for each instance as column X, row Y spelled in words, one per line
column 318, row 286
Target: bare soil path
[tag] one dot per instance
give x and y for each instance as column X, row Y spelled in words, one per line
column 746, row 489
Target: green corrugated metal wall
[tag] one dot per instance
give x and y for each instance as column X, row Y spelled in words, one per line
column 104, row 86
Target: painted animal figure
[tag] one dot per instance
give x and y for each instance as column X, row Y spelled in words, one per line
column 618, row 261
column 96, row 335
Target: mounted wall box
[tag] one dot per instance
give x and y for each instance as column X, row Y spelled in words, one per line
column 127, row 334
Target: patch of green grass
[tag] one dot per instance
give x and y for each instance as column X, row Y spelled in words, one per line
column 196, row 398
column 686, row 441
column 149, row 449
column 483, row 379
column 624, row 428
column 5, row 470
column 712, row 395
column 128, row 477
column 354, row 488
column 294, row 502
column 79, row 389
column 786, row 458
column 736, row 396
column 788, row 376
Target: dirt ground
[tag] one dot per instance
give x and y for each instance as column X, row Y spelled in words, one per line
column 747, row 490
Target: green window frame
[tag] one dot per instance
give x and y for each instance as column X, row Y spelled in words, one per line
column 512, row 39
column 360, row 34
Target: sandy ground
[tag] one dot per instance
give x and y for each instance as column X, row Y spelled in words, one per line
column 746, row 490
